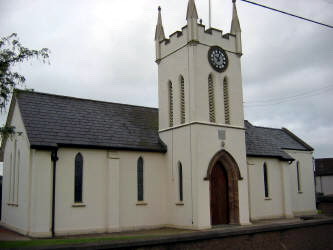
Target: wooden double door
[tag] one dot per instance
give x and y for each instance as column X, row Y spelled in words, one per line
column 219, row 195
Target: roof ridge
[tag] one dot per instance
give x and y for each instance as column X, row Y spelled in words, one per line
column 266, row 127
column 80, row 98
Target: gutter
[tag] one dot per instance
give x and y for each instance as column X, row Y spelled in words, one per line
column 54, row 159
column 126, row 148
column 271, row 156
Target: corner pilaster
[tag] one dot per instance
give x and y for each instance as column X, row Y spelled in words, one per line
column 112, row 192
column 287, row 205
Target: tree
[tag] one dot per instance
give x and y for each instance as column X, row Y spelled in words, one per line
column 11, row 53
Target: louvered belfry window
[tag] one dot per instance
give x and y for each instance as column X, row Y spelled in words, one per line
column 226, row 100
column 211, row 99
column 182, row 100
column 170, row 104
column 140, row 178
column 78, row 178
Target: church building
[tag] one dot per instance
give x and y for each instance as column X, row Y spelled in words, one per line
column 78, row 166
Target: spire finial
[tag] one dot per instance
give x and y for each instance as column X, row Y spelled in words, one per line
column 191, row 10
column 159, row 32
column 235, row 26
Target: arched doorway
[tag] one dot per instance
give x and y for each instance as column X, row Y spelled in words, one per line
column 223, row 174
column 219, row 200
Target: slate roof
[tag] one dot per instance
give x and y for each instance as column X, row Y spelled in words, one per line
column 263, row 141
column 53, row 120
column 324, row 166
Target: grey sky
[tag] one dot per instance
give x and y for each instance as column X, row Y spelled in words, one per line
column 104, row 50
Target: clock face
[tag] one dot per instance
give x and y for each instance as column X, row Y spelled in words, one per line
column 218, row 58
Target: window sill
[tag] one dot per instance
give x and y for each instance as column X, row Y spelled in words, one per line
column 12, row 204
column 268, row 198
column 141, row 203
column 78, row 205
column 180, row 203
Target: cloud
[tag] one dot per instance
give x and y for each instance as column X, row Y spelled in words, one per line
column 104, row 50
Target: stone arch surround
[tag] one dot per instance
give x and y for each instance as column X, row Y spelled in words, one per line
column 234, row 175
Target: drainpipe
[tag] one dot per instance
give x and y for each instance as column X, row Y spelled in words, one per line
column 54, row 159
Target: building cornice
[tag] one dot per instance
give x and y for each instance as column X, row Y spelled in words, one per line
column 202, row 123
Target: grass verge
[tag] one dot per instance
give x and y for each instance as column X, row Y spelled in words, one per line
column 52, row 242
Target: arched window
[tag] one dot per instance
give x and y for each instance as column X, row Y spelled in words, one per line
column 299, row 187
column 10, row 177
column 182, row 100
column 78, row 179
column 17, row 176
column 180, row 180
column 170, row 104
column 211, row 98
column 140, row 178
column 266, row 180
column 226, row 100
column 14, row 172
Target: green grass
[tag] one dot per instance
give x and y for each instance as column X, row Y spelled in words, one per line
column 51, row 242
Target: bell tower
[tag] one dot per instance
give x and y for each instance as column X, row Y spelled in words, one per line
column 199, row 72
column 200, row 110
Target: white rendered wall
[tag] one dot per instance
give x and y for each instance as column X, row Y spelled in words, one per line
column 154, row 213
column 180, row 214
column 97, row 213
column 191, row 62
column 41, row 193
column 205, row 145
column 91, row 217
column 324, row 184
column 303, row 201
column 195, row 146
column 15, row 212
column 260, row 206
column 196, row 142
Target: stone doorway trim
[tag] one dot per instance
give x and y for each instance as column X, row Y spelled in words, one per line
column 234, row 175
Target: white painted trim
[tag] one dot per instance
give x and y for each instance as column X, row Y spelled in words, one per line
column 79, row 204
column 141, row 203
column 270, row 217
column 187, row 227
column 202, row 123
column 12, row 204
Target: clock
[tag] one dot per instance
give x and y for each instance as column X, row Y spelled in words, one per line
column 218, row 58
